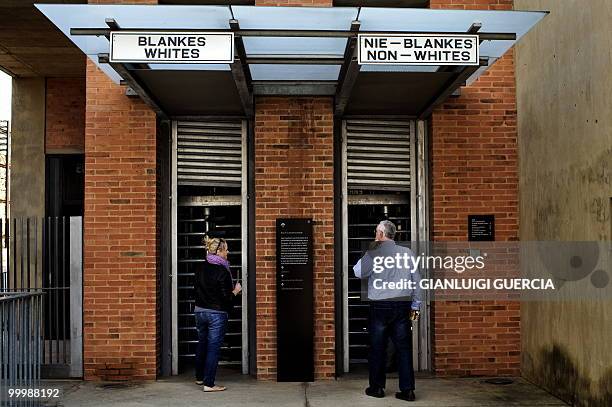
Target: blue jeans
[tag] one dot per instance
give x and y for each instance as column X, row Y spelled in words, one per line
column 390, row 319
column 211, row 331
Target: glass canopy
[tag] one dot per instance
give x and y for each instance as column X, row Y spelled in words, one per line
column 168, row 17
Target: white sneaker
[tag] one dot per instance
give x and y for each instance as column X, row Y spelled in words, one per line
column 214, row 389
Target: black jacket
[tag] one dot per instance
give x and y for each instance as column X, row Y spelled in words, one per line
column 213, row 287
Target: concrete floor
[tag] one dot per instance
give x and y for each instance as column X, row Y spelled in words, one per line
column 348, row 391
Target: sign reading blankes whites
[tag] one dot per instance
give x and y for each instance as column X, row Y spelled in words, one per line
column 172, row 47
column 418, row 49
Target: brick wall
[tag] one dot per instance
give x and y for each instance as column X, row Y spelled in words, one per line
column 65, row 114
column 475, row 171
column 472, row 4
column 294, row 178
column 120, row 246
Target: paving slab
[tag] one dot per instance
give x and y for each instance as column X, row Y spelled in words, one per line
column 344, row 392
column 441, row 392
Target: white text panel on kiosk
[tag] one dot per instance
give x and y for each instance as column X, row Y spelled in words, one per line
column 172, row 47
column 418, row 49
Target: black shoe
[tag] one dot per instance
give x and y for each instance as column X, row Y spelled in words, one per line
column 375, row 392
column 406, row 395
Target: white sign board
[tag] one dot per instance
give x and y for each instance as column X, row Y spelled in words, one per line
column 418, row 49
column 172, row 47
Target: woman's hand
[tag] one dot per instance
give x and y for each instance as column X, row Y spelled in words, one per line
column 237, row 289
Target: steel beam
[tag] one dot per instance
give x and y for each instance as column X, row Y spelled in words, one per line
column 379, row 117
column 112, row 24
column 298, row 60
column 135, row 84
column 489, row 36
column 451, row 86
column 206, row 117
column 241, row 72
column 348, row 73
column 217, row 200
column 474, row 28
column 294, row 88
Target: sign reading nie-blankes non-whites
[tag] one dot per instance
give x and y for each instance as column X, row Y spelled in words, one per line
column 172, row 47
column 418, row 49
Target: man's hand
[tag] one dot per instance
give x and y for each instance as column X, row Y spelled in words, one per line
column 414, row 314
column 237, row 289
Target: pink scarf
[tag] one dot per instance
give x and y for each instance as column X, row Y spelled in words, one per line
column 215, row 259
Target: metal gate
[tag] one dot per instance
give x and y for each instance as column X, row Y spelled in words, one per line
column 209, row 181
column 45, row 255
column 20, row 346
column 381, row 161
column 215, row 217
column 378, row 154
column 209, row 153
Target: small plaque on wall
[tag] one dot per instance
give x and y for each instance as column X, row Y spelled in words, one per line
column 481, row 228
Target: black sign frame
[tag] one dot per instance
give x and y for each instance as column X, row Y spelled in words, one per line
column 481, row 228
column 294, row 300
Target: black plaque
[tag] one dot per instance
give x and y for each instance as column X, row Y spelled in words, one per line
column 481, row 228
column 294, row 300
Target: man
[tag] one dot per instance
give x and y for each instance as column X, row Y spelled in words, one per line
column 392, row 310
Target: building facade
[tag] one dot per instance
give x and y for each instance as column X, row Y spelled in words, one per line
column 290, row 164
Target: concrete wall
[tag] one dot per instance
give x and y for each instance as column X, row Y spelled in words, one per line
column 27, row 177
column 564, row 78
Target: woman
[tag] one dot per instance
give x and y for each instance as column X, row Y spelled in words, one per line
column 214, row 293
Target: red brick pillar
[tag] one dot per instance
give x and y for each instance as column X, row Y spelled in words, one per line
column 120, row 241
column 294, row 178
column 475, row 171
column 120, row 246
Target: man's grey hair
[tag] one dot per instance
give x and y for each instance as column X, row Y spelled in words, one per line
column 387, row 228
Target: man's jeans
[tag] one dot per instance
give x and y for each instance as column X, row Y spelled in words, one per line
column 211, row 330
column 390, row 319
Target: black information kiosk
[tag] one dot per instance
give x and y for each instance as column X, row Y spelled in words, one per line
column 294, row 297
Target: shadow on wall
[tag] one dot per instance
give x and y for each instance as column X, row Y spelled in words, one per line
column 555, row 371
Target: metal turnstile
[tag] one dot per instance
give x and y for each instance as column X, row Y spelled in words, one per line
column 383, row 177
column 363, row 219
column 209, row 179
column 194, row 222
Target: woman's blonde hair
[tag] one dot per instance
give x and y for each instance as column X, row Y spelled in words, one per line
column 213, row 245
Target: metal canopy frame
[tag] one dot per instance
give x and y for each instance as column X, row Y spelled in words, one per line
column 247, row 88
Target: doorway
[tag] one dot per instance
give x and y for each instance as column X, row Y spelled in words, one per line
column 209, row 181
column 383, row 177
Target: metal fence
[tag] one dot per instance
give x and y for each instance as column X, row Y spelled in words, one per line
column 4, row 165
column 20, row 347
column 45, row 255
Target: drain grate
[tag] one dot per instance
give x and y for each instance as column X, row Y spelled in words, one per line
column 499, row 381
column 116, row 385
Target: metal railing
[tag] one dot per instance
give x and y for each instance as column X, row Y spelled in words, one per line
column 4, row 165
column 45, row 255
column 20, row 347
